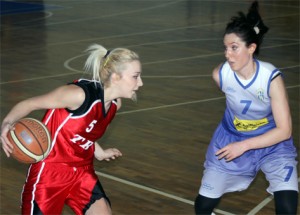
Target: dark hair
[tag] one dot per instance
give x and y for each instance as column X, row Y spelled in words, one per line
column 250, row 28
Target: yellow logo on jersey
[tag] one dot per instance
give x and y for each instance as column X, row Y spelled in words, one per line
column 249, row 125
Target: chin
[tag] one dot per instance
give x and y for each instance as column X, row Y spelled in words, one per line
column 134, row 97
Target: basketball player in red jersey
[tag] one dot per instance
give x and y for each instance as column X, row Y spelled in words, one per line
column 77, row 115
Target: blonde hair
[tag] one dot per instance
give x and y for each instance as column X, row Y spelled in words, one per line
column 103, row 63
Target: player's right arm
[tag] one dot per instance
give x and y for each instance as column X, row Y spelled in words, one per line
column 216, row 75
column 69, row 96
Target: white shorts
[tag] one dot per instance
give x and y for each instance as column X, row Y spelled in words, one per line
column 281, row 174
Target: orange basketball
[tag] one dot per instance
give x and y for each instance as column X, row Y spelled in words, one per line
column 31, row 140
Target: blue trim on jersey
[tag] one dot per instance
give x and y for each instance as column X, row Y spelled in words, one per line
column 220, row 76
column 253, row 79
column 254, row 100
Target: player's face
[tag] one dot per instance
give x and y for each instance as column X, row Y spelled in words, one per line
column 237, row 53
column 130, row 80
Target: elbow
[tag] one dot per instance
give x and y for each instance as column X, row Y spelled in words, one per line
column 287, row 132
column 289, row 135
column 285, row 129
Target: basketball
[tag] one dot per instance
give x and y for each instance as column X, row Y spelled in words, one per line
column 31, row 140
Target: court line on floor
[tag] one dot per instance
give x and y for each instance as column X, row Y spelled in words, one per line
column 144, row 76
column 67, row 62
column 75, row 71
column 149, row 189
column 180, row 199
column 171, row 105
column 254, row 210
column 185, row 103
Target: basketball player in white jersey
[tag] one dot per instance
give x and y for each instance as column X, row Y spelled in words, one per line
column 77, row 115
column 255, row 132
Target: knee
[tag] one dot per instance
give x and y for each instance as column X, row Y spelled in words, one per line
column 204, row 205
column 286, row 202
column 101, row 206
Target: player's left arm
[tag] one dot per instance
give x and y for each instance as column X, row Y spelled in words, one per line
column 282, row 117
column 282, row 131
column 280, row 109
column 106, row 154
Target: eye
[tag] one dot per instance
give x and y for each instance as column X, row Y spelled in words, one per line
column 234, row 47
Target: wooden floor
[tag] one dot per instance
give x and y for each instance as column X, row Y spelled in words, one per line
column 165, row 135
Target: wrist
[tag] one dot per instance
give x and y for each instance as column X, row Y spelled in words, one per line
column 247, row 145
column 6, row 124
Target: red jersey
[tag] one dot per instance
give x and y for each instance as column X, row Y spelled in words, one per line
column 74, row 132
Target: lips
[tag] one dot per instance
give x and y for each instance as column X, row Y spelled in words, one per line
column 231, row 64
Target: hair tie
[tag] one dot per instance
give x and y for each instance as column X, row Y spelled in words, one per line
column 107, row 53
column 106, row 58
column 256, row 29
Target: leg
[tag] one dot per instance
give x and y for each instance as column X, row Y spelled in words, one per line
column 286, row 202
column 281, row 172
column 205, row 205
column 44, row 191
column 100, row 206
column 87, row 195
column 213, row 185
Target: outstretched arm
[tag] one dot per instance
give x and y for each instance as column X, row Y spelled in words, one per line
column 106, row 154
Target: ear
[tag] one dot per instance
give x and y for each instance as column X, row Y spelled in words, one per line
column 252, row 48
column 115, row 77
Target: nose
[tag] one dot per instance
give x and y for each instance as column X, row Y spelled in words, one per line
column 140, row 82
column 227, row 54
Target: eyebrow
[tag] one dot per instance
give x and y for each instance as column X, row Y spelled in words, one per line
column 233, row 43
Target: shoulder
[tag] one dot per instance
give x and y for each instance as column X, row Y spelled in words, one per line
column 87, row 84
column 73, row 95
column 268, row 70
column 216, row 73
column 216, row 70
column 87, row 92
column 68, row 92
column 91, row 89
column 266, row 66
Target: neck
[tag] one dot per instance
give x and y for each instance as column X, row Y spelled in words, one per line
column 109, row 95
column 248, row 71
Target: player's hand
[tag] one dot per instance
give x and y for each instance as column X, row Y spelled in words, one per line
column 108, row 154
column 6, row 145
column 231, row 151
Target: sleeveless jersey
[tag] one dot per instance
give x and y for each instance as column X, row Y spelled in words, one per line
column 75, row 131
column 248, row 107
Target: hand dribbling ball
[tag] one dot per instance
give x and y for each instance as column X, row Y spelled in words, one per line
column 31, row 140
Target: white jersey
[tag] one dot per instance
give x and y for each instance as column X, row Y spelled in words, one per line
column 248, row 113
column 248, row 110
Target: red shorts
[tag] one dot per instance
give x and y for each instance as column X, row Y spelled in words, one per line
column 51, row 185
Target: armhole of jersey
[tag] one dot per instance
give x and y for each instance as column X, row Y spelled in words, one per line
column 273, row 75
column 84, row 105
column 276, row 74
